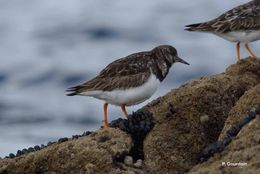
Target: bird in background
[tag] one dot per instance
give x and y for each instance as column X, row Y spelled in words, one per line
column 240, row 24
column 130, row 80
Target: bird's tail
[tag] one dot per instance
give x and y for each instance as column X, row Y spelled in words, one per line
column 193, row 27
column 73, row 91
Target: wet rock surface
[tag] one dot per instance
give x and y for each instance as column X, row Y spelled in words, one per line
column 209, row 120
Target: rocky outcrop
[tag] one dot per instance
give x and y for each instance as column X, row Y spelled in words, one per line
column 242, row 154
column 95, row 153
column 191, row 117
column 185, row 122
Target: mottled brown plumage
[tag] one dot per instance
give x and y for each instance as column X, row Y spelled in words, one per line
column 132, row 71
column 243, row 17
column 241, row 24
column 130, row 80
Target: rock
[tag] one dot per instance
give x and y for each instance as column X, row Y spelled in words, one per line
column 168, row 135
column 128, row 160
column 204, row 119
column 61, row 140
column 84, row 154
column 37, row 148
column 231, row 133
column 245, row 147
column 250, row 100
column 174, row 144
column 138, row 163
column 11, row 155
column 257, row 138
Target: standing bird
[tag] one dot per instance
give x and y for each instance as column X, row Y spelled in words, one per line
column 130, row 80
column 240, row 24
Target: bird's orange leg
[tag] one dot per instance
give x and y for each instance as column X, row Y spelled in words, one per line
column 124, row 111
column 238, row 51
column 105, row 115
column 250, row 51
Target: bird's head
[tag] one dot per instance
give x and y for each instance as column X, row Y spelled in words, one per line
column 169, row 53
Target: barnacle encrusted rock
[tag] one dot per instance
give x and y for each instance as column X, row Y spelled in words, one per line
column 166, row 136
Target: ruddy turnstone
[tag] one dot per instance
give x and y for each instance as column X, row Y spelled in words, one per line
column 240, row 24
column 130, row 80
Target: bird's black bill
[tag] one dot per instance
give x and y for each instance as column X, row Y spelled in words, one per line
column 178, row 59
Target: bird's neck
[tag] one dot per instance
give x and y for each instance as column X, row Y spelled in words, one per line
column 161, row 68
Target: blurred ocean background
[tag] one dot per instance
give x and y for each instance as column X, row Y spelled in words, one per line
column 47, row 46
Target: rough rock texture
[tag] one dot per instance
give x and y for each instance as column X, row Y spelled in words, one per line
column 249, row 101
column 245, row 148
column 181, row 130
column 92, row 154
column 185, row 121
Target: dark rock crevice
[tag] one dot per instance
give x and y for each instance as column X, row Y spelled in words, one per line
column 219, row 146
column 138, row 125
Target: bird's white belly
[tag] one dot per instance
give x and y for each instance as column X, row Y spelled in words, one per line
column 130, row 96
column 241, row 36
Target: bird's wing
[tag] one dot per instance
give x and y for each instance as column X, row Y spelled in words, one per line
column 243, row 17
column 240, row 23
column 121, row 74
